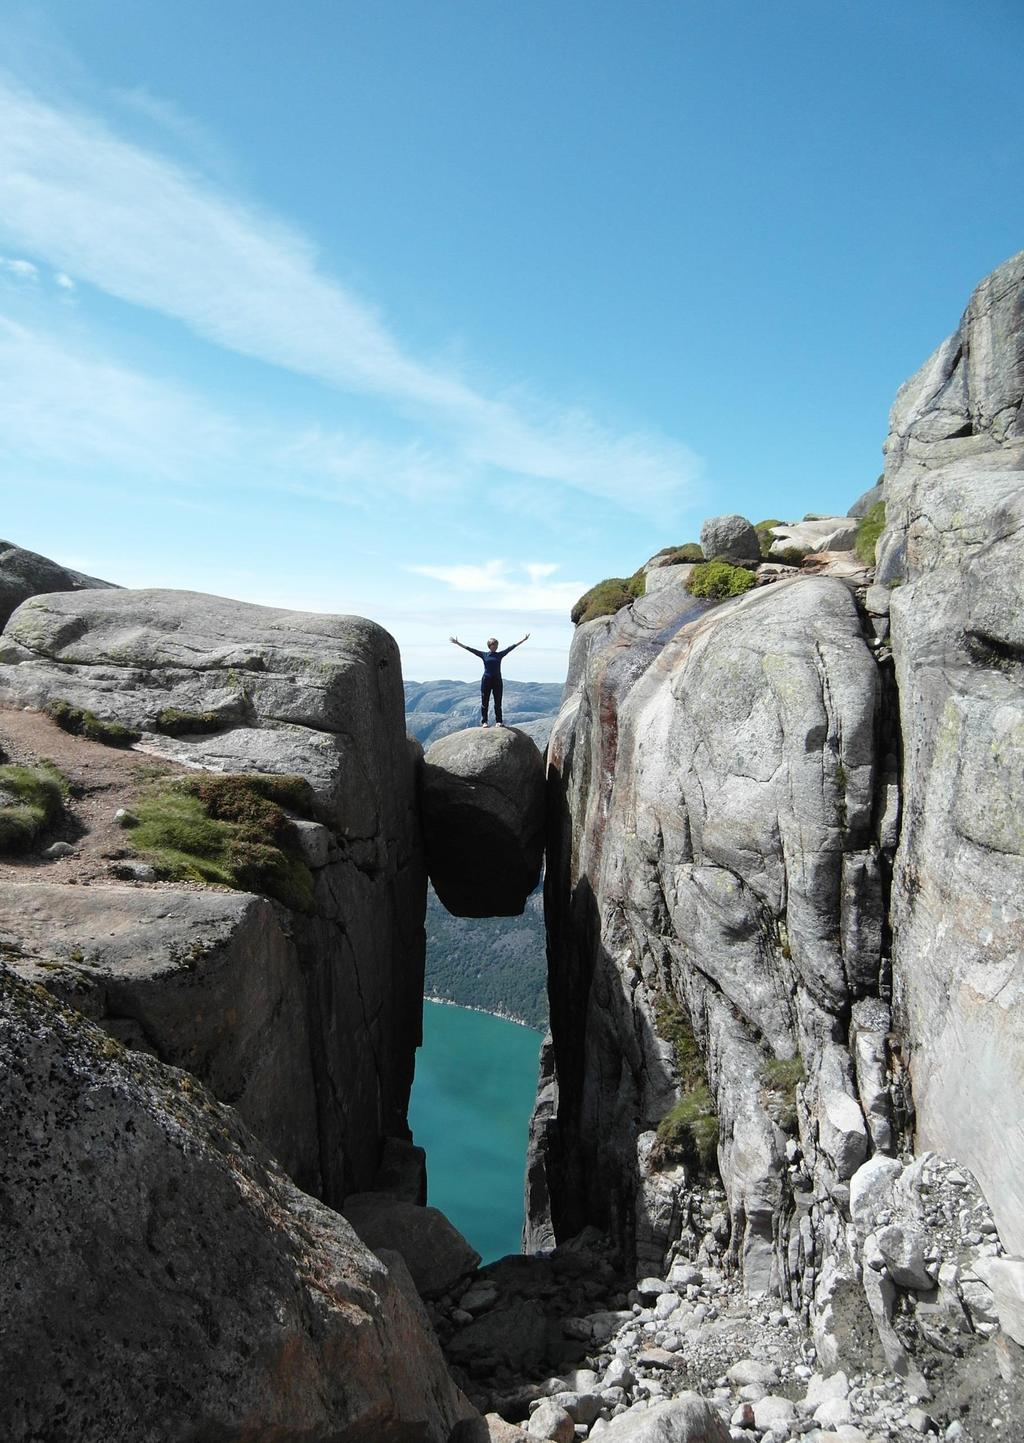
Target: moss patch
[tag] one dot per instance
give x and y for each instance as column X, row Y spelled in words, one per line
column 679, row 555
column 174, row 722
column 228, row 829
column 869, row 529
column 717, row 580
column 83, row 723
column 688, row 1132
column 608, row 597
column 31, row 798
column 764, row 534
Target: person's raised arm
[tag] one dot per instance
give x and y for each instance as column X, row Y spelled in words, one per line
column 456, row 642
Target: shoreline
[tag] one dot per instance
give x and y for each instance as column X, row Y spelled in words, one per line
column 487, row 1011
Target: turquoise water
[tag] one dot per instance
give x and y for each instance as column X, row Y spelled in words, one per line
column 476, row 1077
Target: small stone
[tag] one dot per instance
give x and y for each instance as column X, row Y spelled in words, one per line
column 743, row 1416
column 652, row 1287
column 920, row 1421
column 750, row 1370
column 551, row 1422
column 775, row 1412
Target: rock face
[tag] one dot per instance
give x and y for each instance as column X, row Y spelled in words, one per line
column 24, row 574
column 295, row 692
column 161, row 1278
column 482, row 800
column 206, row 981
column 229, row 986
column 784, row 889
column 954, row 543
column 713, row 846
column 730, row 536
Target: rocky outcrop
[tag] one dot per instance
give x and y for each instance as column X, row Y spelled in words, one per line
column 160, row 1277
column 712, row 847
column 482, row 801
column 820, row 533
column 784, row 903
column 239, row 990
column 24, row 574
column 952, row 555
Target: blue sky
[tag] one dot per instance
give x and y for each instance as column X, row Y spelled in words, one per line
column 442, row 310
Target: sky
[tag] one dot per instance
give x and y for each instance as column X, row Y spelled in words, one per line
column 440, row 311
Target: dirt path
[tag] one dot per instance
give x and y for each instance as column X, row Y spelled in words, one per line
column 102, row 779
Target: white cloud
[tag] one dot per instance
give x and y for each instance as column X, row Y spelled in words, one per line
column 76, row 406
column 498, row 586
column 22, row 270
column 150, row 232
column 64, row 281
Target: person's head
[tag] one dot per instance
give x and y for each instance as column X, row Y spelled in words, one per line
column 492, row 643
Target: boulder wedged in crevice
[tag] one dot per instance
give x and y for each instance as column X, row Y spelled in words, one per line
column 482, row 805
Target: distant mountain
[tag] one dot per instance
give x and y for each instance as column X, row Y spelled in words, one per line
column 435, row 708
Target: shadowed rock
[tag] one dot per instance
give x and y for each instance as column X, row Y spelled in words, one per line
column 482, row 799
column 160, row 1276
column 24, row 574
column 435, row 1252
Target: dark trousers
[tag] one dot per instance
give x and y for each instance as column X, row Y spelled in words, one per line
column 490, row 687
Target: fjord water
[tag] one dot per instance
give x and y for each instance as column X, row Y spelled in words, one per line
column 476, row 1077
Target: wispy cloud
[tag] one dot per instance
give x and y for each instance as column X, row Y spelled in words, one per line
column 74, row 405
column 21, row 270
column 497, row 585
column 153, row 233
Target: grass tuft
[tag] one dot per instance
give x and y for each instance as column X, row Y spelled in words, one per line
column 31, row 798
column 608, row 597
column 83, row 723
column 869, row 529
column 717, row 580
column 228, row 829
column 688, row 1132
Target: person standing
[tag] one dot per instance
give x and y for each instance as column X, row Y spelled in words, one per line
column 490, row 682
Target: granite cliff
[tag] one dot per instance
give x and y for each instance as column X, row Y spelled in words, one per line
column 784, row 894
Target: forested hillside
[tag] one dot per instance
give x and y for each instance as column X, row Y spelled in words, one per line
column 497, row 963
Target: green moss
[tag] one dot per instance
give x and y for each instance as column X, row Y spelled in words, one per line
column 81, row 722
column 717, row 580
column 678, row 555
column 789, row 556
column 689, row 1131
column 231, row 830
column 607, row 597
column 672, row 1022
column 764, row 534
column 30, row 799
column 781, row 1076
column 869, row 529
column 174, row 722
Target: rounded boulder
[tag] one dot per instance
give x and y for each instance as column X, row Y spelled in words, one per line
column 732, row 537
column 482, row 804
